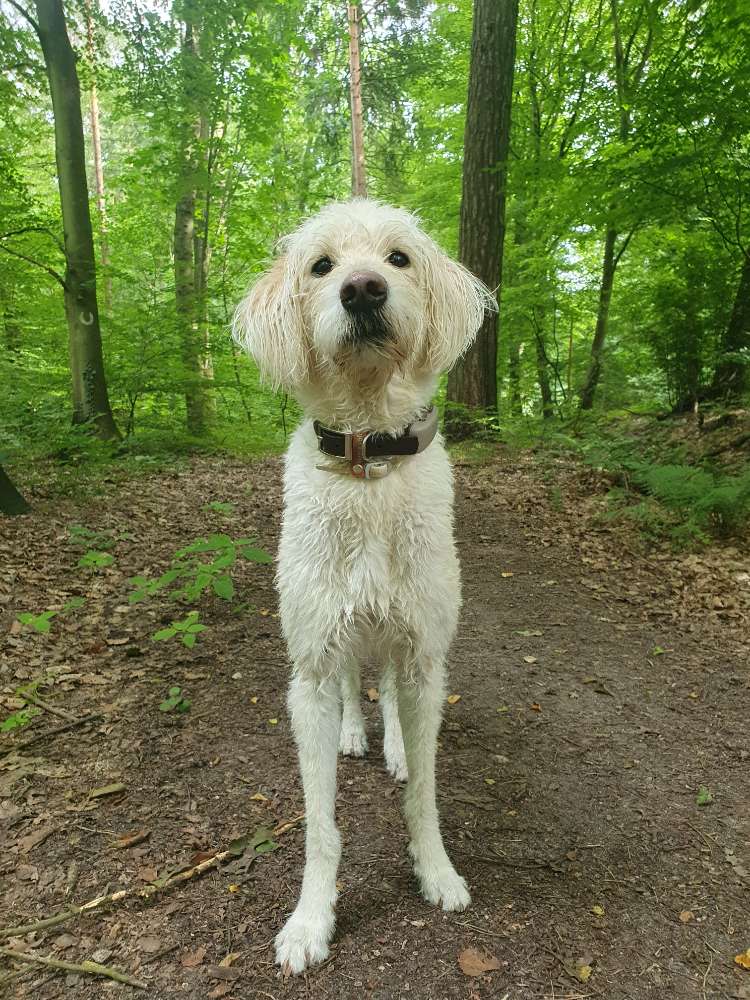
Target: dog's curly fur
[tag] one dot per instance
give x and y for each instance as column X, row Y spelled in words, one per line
column 366, row 568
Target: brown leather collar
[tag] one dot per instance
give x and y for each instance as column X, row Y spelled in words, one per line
column 368, row 453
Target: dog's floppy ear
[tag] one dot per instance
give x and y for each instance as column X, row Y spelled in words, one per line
column 456, row 306
column 268, row 324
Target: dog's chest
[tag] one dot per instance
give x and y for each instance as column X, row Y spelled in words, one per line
column 370, row 544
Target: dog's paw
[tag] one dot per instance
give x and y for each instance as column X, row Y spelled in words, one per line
column 444, row 887
column 353, row 740
column 395, row 764
column 303, row 941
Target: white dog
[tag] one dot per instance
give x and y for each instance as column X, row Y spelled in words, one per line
column 357, row 318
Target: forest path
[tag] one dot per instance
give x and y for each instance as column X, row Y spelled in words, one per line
column 592, row 712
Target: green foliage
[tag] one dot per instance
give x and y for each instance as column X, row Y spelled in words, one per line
column 194, row 575
column 19, row 719
column 187, row 630
column 42, row 622
column 175, row 702
column 96, row 560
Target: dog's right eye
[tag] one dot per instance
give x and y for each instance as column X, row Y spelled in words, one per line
column 322, row 266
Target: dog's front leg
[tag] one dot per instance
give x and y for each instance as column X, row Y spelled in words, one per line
column 316, row 719
column 420, row 698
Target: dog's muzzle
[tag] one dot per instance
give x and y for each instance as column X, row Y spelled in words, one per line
column 370, row 454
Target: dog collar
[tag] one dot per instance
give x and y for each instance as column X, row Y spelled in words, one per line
column 369, row 454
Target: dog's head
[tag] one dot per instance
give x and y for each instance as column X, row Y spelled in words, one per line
column 360, row 286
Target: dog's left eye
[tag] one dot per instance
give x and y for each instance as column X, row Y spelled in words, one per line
column 398, row 259
column 322, row 266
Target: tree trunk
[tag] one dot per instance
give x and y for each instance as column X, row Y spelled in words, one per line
column 359, row 176
column 472, row 384
column 732, row 376
column 609, row 263
column 90, row 397
column 190, row 241
column 96, row 142
column 11, row 501
column 514, row 378
column 542, row 371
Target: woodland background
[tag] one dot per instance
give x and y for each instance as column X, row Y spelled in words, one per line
column 605, row 176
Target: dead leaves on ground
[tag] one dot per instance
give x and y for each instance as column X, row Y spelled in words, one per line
column 476, row 963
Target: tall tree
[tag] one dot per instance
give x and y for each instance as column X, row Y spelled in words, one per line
column 96, row 143
column 90, row 397
column 631, row 52
column 359, row 174
column 472, row 384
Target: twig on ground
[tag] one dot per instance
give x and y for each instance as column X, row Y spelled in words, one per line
column 146, row 892
column 34, row 699
column 50, row 733
column 91, row 968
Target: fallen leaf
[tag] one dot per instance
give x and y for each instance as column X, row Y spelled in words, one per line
column 229, row 958
column 149, row 943
column 489, row 781
column 476, row 963
column 220, row 972
column 147, row 874
column 113, row 789
column 193, row 959
column 131, row 839
column 32, row 840
column 258, row 797
column 453, row 699
column 686, row 916
column 529, row 659
column 254, row 700
column 503, row 709
column 506, row 574
column 598, row 910
column 373, row 694
column 743, row 959
column 63, row 941
column 528, row 631
column 578, row 969
column 233, row 888
column 220, row 991
column 273, row 722
column 535, row 706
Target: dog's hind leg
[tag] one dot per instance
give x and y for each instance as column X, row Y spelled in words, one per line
column 352, row 740
column 420, row 698
column 393, row 741
column 315, row 710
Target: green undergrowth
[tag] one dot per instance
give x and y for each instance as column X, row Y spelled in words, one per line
column 661, row 481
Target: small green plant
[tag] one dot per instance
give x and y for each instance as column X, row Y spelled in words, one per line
column 219, row 507
column 194, row 575
column 188, row 630
column 84, row 537
column 96, row 560
column 19, row 719
column 175, row 702
column 42, row 622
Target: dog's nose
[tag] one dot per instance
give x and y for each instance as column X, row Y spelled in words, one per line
column 363, row 291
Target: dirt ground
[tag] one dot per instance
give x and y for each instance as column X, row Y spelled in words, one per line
column 604, row 689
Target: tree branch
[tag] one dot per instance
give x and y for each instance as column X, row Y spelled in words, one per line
column 37, row 263
column 25, row 15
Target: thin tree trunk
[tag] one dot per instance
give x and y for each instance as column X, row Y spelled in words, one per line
column 609, row 263
column 189, row 240
column 90, row 397
column 731, row 376
column 11, row 501
column 359, row 176
column 96, row 142
column 514, row 378
column 472, row 384
column 542, row 369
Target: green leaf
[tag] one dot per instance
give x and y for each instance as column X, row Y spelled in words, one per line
column 19, row 719
column 164, row 633
column 704, row 797
column 188, row 639
column 256, row 555
column 223, row 587
column 96, row 560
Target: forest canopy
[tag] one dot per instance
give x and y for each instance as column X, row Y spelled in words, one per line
column 211, row 129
